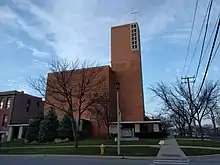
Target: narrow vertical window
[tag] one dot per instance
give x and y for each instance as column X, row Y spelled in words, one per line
column 28, row 106
column 8, row 103
column 5, row 121
column 1, row 103
column 134, row 37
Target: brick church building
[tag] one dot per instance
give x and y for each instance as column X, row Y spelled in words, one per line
column 126, row 69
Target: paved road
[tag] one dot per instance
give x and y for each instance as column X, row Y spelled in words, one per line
column 206, row 160
column 58, row 160
column 68, row 160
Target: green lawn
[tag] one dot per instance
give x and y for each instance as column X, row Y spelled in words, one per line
column 20, row 143
column 195, row 152
column 184, row 137
column 202, row 143
column 111, row 151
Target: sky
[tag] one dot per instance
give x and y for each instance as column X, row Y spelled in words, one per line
column 32, row 31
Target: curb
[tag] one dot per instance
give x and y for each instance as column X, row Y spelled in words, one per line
column 200, row 147
column 202, row 156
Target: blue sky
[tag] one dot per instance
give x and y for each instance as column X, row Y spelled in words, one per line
column 31, row 31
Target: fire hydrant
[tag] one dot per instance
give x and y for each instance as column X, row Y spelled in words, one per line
column 102, row 148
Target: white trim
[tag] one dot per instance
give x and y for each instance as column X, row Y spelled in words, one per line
column 15, row 125
column 137, row 122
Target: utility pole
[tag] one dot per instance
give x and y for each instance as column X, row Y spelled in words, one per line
column 118, row 120
column 187, row 81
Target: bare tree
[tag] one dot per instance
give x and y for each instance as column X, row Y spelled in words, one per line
column 97, row 114
column 179, row 123
column 166, row 122
column 175, row 99
column 207, row 99
column 178, row 100
column 214, row 113
column 71, row 86
column 101, row 109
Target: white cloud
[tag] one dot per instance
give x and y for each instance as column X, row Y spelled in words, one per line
column 65, row 27
column 215, row 69
column 6, row 15
column 21, row 45
column 80, row 29
column 175, row 36
column 178, row 71
column 40, row 65
column 15, row 84
column 38, row 53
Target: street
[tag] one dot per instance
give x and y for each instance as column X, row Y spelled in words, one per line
column 57, row 160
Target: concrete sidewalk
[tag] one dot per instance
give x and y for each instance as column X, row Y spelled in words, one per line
column 170, row 152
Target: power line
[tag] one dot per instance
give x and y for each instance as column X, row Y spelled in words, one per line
column 190, row 37
column 200, row 33
column 211, row 36
column 215, row 51
column 204, row 38
column 210, row 57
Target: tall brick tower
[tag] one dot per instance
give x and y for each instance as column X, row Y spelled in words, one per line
column 126, row 64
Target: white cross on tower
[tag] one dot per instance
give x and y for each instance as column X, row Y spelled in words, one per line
column 134, row 14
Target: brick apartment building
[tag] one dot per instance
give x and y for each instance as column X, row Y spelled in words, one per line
column 127, row 70
column 16, row 108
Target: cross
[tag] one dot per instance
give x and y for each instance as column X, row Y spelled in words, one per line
column 134, row 13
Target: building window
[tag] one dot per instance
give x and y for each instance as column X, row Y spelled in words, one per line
column 134, row 31
column 133, row 26
column 5, row 121
column 156, row 128
column 1, row 103
column 134, row 37
column 28, row 106
column 8, row 103
column 38, row 104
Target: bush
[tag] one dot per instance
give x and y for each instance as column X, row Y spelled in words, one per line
column 86, row 129
column 64, row 133
column 33, row 129
column 48, row 127
column 65, row 128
